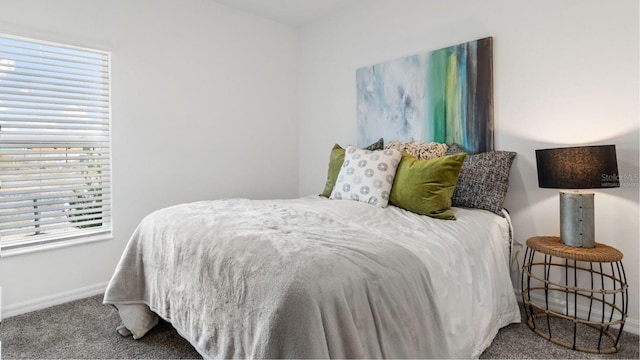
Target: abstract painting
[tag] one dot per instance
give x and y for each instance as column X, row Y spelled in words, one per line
column 444, row 96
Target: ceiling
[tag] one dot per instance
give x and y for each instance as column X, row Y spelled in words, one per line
column 290, row 12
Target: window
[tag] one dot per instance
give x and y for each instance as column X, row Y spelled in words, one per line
column 55, row 161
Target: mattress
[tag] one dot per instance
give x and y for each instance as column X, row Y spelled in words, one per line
column 317, row 278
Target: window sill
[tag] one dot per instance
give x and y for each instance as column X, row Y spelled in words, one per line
column 8, row 252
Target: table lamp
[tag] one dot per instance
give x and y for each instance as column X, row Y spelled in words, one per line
column 582, row 167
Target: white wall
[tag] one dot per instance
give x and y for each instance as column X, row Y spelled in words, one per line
column 203, row 108
column 565, row 72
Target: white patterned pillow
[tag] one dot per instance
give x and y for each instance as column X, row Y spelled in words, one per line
column 367, row 176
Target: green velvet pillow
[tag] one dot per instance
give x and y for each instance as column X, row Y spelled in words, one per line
column 425, row 187
column 335, row 163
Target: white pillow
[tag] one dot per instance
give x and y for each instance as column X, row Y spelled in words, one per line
column 367, row 176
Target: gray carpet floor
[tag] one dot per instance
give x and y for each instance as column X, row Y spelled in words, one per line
column 85, row 329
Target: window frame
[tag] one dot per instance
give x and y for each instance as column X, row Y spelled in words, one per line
column 104, row 231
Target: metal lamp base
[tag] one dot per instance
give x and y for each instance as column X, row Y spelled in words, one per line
column 577, row 219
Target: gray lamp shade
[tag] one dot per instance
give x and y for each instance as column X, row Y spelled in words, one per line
column 583, row 167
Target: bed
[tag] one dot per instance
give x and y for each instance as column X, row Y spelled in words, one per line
column 380, row 265
column 318, row 278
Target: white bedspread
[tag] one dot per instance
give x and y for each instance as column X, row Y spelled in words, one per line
column 317, row 278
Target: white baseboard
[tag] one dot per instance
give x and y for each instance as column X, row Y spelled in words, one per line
column 51, row 300
column 631, row 325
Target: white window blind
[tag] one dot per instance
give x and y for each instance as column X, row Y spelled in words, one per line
column 55, row 167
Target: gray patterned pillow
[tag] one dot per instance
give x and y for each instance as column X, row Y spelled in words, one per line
column 367, row 176
column 378, row 145
column 454, row 149
column 483, row 181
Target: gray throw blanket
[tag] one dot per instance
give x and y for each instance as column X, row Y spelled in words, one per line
column 274, row 279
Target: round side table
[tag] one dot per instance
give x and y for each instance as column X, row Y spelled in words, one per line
column 586, row 287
